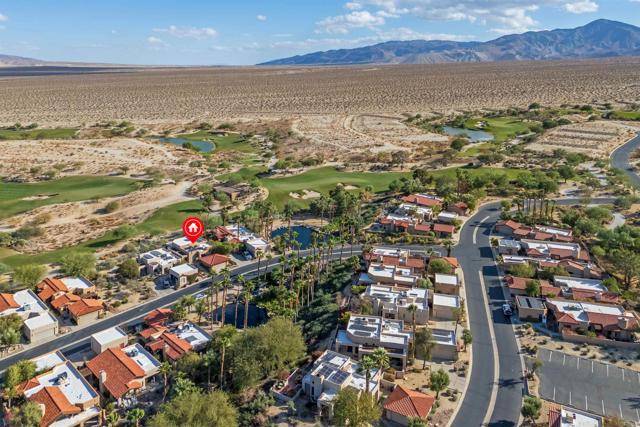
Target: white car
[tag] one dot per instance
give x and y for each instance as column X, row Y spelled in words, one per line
column 506, row 310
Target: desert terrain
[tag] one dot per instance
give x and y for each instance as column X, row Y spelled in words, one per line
column 180, row 95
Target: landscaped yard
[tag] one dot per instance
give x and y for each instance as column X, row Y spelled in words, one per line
column 16, row 198
column 502, row 128
column 57, row 133
column 164, row 220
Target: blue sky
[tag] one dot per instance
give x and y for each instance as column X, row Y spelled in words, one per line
column 190, row 32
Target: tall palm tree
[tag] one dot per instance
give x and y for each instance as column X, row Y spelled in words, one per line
column 225, row 342
column 367, row 364
column 246, row 296
column 242, row 282
column 208, row 358
column 226, row 281
column 112, row 419
column 412, row 309
column 165, row 370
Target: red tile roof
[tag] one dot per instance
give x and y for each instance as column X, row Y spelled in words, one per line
column 522, row 231
column 409, row 403
column 175, row 347
column 444, row 228
column 422, row 227
column 85, row 306
column 153, row 331
column 55, row 404
column 540, row 235
column 510, row 223
column 421, row 200
column 555, row 417
column 561, row 253
column 213, row 260
column 122, row 373
column 49, row 287
column 451, row 260
column 158, row 316
column 567, row 318
column 589, row 295
column 7, row 301
column 520, row 283
column 64, row 300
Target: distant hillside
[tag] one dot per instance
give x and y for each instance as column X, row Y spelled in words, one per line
column 598, row 39
column 18, row 61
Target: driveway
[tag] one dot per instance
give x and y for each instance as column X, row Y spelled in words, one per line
column 589, row 385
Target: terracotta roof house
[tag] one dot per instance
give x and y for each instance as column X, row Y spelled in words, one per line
column 423, row 200
column 404, row 404
column 518, row 286
column 175, row 340
column 64, row 396
column 49, row 287
column 214, row 260
column 120, row 371
column 60, row 303
column 507, row 227
column 444, row 230
column 86, row 310
column 7, row 301
column 159, row 316
column 461, row 208
column 170, row 346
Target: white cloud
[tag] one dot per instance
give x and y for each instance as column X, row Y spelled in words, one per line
column 3, row 18
column 156, row 43
column 261, row 18
column 353, row 5
column 342, row 24
column 581, row 6
column 188, row 32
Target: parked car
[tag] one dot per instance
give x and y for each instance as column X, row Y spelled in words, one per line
column 506, row 310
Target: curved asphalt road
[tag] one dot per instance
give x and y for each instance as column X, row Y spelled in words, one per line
column 620, row 159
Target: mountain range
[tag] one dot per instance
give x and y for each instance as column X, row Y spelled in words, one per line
column 601, row 38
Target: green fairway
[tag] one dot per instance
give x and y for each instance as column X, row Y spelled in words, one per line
column 164, row 220
column 625, row 115
column 502, row 128
column 230, row 142
column 63, row 190
column 323, row 180
column 57, row 133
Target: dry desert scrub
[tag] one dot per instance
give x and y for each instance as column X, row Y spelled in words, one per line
column 181, row 95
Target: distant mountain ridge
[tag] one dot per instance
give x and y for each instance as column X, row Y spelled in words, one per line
column 601, row 38
column 18, row 61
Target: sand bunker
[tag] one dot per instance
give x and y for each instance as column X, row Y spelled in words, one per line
column 305, row 194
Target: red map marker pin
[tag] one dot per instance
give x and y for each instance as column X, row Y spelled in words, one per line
column 192, row 228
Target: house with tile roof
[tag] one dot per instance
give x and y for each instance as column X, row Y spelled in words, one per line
column 215, row 261
column 119, row 372
column 65, row 397
column 173, row 341
column 86, row 310
column 608, row 321
column 159, row 316
column 427, row 200
column 403, row 404
column 38, row 323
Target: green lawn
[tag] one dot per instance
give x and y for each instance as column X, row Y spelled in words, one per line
column 625, row 115
column 57, row 133
column 164, row 220
column 230, row 142
column 63, row 190
column 323, row 180
column 502, row 128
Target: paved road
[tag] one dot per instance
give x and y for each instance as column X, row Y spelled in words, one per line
column 79, row 339
column 589, row 385
column 620, row 159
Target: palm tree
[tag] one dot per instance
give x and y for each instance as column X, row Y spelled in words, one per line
column 208, row 358
column 135, row 415
column 382, row 361
column 367, row 364
column 165, row 370
column 112, row 419
column 242, row 283
column 201, row 308
column 225, row 342
column 246, row 296
column 412, row 309
column 226, row 281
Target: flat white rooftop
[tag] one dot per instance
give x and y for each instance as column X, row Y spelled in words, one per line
column 66, row 378
column 48, row 361
column 76, row 283
column 446, row 279
column 579, row 310
column 447, row 214
column 192, row 334
column 443, row 336
column 32, row 310
column 579, row 283
column 144, row 359
column 554, row 230
column 575, row 418
column 443, row 300
column 184, row 269
column 109, row 335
